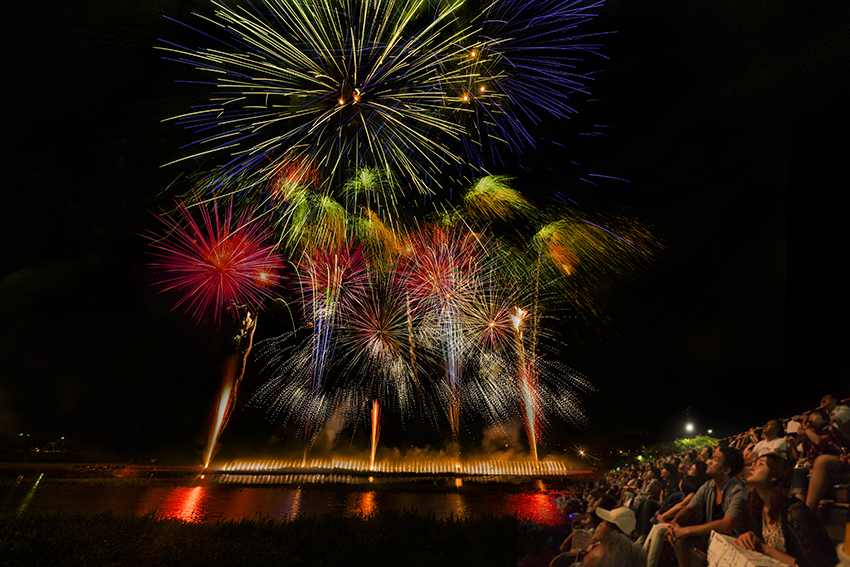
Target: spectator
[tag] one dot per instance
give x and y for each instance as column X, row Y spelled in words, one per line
column 614, row 551
column 782, row 527
column 822, row 445
column 839, row 415
column 619, row 521
column 670, row 478
column 722, row 500
column 771, row 442
column 654, row 542
column 645, row 504
column 652, row 487
column 697, row 470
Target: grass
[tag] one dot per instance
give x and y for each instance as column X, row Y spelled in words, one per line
column 402, row 538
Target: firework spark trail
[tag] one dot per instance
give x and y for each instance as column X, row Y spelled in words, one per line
column 401, row 85
column 376, row 430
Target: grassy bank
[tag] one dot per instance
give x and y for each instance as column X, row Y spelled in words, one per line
column 391, row 538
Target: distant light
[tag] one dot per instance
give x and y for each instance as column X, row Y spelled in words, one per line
column 472, row 54
column 709, row 430
column 689, row 427
column 482, row 88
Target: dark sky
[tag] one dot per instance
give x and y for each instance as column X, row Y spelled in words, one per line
column 713, row 108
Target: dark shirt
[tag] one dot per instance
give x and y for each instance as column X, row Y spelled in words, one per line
column 806, row 539
column 732, row 503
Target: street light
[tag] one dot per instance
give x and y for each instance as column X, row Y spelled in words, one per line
column 689, row 427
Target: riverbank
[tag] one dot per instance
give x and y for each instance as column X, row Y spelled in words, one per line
column 387, row 538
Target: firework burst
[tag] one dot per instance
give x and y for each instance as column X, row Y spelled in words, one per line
column 223, row 262
column 404, row 86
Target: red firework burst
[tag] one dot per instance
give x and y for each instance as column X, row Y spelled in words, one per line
column 442, row 265
column 217, row 262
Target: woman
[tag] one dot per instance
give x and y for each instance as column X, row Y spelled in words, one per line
column 783, row 527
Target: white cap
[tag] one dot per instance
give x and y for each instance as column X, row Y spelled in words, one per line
column 623, row 518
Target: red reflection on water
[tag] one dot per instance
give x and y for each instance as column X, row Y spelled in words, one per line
column 538, row 508
column 185, row 504
column 366, row 505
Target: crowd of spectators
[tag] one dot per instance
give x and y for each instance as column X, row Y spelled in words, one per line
column 762, row 487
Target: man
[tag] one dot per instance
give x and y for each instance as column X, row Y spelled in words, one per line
column 839, row 416
column 619, row 521
column 614, row 551
column 771, row 442
column 722, row 501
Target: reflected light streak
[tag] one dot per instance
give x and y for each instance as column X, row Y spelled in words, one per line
column 366, row 505
column 538, row 508
column 185, row 504
column 29, row 495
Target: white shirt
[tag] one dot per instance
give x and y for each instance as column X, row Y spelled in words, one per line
column 778, row 447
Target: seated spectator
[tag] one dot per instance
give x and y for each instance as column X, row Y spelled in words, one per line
column 697, row 470
column 673, row 503
column 614, row 551
column 722, row 500
column 670, row 478
column 645, row 504
column 782, row 527
column 652, row 487
column 582, row 536
column 839, row 415
column 654, row 542
column 822, row 445
column 617, row 521
column 772, row 441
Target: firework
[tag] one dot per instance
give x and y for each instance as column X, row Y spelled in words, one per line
column 404, row 86
column 223, row 262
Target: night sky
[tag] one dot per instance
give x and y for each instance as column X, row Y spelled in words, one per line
column 712, row 110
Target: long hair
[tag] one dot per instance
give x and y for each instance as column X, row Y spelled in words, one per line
column 781, row 470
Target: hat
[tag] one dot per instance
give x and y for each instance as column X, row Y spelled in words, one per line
column 623, row 518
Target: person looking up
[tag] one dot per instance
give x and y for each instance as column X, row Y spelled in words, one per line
column 722, row 500
column 771, row 442
column 781, row 527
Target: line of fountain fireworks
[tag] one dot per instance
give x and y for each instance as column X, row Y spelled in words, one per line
column 414, row 467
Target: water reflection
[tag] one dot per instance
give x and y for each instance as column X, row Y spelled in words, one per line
column 290, row 505
column 185, row 504
column 211, row 501
column 29, row 495
column 457, row 505
column 365, row 505
column 539, row 508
